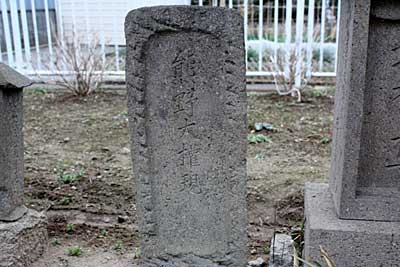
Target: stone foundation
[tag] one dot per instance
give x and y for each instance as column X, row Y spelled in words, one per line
column 24, row 241
column 350, row 243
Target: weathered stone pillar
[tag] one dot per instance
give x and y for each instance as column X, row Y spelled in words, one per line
column 187, row 111
column 11, row 144
column 23, row 233
column 358, row 219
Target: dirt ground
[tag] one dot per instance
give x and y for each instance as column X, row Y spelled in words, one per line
column 78, row 171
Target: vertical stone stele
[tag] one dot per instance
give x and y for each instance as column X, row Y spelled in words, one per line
column 357, row 219
column 187, row 110
column 23, row 232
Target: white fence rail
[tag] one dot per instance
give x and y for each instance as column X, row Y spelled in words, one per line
column 301, row 34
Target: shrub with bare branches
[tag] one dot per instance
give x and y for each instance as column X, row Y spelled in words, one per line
column 79, row 63
column 283, row 67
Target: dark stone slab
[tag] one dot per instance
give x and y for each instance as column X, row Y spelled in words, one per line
column 365, row 171
column 187, row 111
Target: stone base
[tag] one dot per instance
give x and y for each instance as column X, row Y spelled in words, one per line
column 350, row 243
column 281, row 252
column 24, row 241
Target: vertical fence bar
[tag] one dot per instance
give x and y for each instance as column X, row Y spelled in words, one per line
column 322, row 40
column 60, row 24
column 87, row 22
column 246, row 24
column 267, row 24
column 230, row 3
column 49, row 38
column 1, row 52
column 115, row 40
column 288, row 35
column 16, row 34
column 102, row 38
column 6, row 25
column 260, row 34
column 27, row 45
column 339, row 10
column 1, row 49
column 200, row 2
column 276, row 29
column 36, row 35
column 299, row 42
column 74, row 30
column 310, row 37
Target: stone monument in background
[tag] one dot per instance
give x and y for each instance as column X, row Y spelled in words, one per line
column 357, row 219
column 187, row 110
column 23, row 232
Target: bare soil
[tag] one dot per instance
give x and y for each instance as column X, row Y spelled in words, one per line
column 78, row 171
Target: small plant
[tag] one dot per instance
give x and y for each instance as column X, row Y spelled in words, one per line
column 318, row 93
column 266, row 249
column 252, row 55
column 137, row 253
column 119, row 246
column 325, row 140
column 259, row 157
column 103, row 233
column 74, row 251
column 328, row 260
column 65, row 201
column 39, row 91
column 257, row 138
column 70, row 228
column 55, row 243
column 70, row 178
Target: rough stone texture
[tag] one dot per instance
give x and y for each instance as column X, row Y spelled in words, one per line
column 11, row 148
column 11, row 79
column 365, row 167
column 350, row 243
column 281, row 252
column 259, row 262
column 187, row 111
column 365, row 170
column 24, row 241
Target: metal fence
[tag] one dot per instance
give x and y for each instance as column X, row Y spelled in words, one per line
column 299, row 34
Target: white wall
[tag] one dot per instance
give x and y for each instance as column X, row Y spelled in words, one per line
column 102, row 17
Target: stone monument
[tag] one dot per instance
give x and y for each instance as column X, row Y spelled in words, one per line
column 357, row 219
column 187, row 111
column 23, row 232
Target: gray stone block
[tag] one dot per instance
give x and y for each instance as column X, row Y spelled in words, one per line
column 364, row 176
column 281, row 252
column 11, row 144
column 350, row 243
column 23, row 242
column 187, row 112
